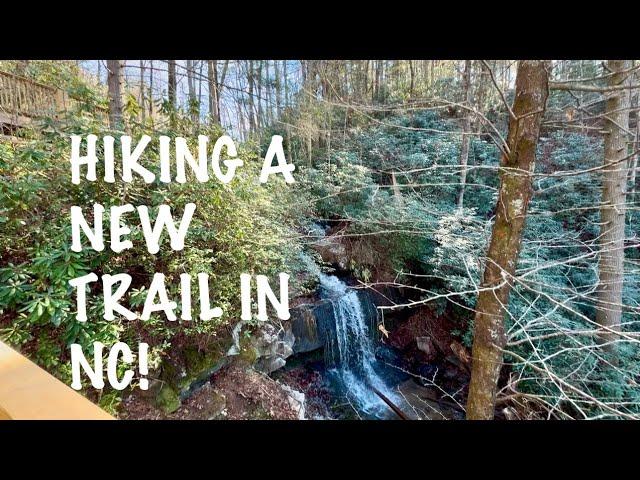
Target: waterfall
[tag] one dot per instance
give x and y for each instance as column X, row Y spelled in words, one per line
column 349, row 349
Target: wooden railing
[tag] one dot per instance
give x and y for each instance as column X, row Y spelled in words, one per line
column 21, row 96
column 27, row 392
column 23, row 99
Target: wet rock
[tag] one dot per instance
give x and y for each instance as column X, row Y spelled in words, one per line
column 296, row 401
column 266, row 348
column 428, row 372
column 387, row 355
column 425, row 345
column 273, row 347
column 426, row 403
column 269, row 364
column 392, row 363
column 451, row 372
column 304, row 328
column 310, row 323
column 332, row 251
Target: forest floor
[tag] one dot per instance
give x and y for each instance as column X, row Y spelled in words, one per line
column 234, row 393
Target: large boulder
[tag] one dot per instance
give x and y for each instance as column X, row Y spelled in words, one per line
column 426, row 346
column 296, row 400
column 266, row 348
column 332, row 251
column 181, row 375
column 305, row 329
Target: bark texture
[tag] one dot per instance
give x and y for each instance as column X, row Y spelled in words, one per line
column 114, row 86
column 532, row 90
column 214, row 99
column 172, row 83
column 466, row 139
column 191, row 86
column 612, row 209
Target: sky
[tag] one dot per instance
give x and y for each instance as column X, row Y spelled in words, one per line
column 234, row 94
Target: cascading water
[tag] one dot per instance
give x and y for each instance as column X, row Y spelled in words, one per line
column 349, row 350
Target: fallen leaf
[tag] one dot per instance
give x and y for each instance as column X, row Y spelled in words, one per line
column 383, row 330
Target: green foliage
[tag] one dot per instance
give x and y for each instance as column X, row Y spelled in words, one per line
column 387, row 178
column 240, row 227
column 409, row 223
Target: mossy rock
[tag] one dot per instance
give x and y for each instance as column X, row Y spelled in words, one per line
column 197, row 361
column 194, row 367
column 248, row 355
column 167, row 399
column 248, row 352
column 169, row 370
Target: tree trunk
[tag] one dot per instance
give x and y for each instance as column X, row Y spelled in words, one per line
column 191, row 85
column 612, row 208
column 285, row 80
column 397, row 194
column 432, row 79
column 214, row 101
column 483, row 86
column 278, row 89
column 114, row 85
column 376, row 81
column 288, row 129
column 172, row 84
column 633, row 162
column 143, row 112
column 532, row 85
column 412, row 81
column 151, row 90
column 260, row 114
column 220, row 87
column 365, row 90
column 269, row 98
column 199, row 80
column 466, row 138
column 252, row 110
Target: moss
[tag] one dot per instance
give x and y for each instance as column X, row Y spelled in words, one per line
column 167, row 399
column 248, row 353
column 200, row 363
column 169, row 372
column 197, row 361
column 194, row 366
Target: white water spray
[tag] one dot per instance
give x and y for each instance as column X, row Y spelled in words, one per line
column 351, row 350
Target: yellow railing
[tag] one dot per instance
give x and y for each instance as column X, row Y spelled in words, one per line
column 27, row 392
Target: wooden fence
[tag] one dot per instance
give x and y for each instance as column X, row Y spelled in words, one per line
column 23, row 99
